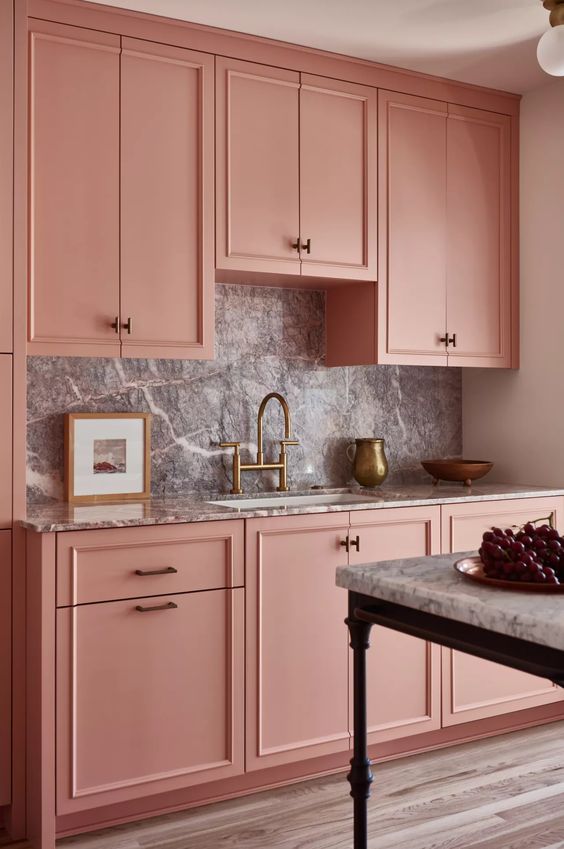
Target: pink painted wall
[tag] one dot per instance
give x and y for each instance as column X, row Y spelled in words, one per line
column 515, row 418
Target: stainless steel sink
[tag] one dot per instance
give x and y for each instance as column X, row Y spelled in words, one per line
column 284, row 501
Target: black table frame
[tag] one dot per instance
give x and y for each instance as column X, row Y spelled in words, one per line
column 365, row 611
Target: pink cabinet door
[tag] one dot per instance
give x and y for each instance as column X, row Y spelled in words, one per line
column 404, row 673
column 74, row 191
column 338, row 150
column 167, row 137
column 149, row 696
column 297, row 653
column 473, row 688
column 479, row 237
column 412, row 141
column 6, row 441
column 257, row 170
column 6, row 172
column 5, row 666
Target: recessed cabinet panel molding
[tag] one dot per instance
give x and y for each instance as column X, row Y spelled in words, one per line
column 474, row 688
column 6, row 172
column 149, row 696
column 257, row 171
column 404, row 673
column 5, row 666
column 6, row 441
column 412, row 303
column 297, row 652
column 167, row 164
column 74, row 190
column 338, row 156
column 479, row 237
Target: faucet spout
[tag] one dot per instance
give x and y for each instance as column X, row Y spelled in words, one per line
column 287, row 421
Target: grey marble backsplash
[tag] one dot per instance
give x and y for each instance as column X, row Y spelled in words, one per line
column 266, row 340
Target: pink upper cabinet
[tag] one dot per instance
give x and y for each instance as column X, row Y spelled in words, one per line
column 257, row 212
column 74, row 190
column 6, row 441
column 478, row 237
column 412, row 195
column 166, row 201
column 337, row 178
column 6, row 175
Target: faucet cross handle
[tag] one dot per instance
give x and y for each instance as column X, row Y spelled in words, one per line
column 285, row 442
column 236, row 488
column 235, row 445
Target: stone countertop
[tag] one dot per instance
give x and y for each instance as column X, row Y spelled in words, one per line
column 194, row 507
column 431, row 584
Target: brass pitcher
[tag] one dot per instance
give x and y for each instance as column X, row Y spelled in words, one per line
column 370, row 466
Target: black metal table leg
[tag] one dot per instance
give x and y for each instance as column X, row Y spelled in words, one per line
column 360, row 775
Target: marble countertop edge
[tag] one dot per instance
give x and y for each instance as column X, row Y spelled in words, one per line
column 195, row 507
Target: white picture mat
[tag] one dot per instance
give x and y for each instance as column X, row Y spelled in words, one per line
column 132, row 480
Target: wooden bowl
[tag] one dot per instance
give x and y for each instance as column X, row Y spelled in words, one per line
column 464, row 471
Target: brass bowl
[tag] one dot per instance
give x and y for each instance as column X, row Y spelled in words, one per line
column 464, row 471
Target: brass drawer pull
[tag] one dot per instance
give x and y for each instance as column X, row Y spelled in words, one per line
column 168, row 570
column 169, row 605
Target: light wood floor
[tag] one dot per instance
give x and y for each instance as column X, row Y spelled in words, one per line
column 504, row 793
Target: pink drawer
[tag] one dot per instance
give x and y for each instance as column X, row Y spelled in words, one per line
column 121, row 563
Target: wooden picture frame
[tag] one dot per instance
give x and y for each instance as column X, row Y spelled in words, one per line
column 97, row 458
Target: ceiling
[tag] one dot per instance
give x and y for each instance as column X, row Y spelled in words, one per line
column 488, row 42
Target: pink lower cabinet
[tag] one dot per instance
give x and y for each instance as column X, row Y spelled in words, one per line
column 5, row 665
column 473, row 688
column 297, row 655
column 404, row 673
column 6, row 441
column 149, row 687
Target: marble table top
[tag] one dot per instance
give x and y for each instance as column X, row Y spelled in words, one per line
column 432, row 585
column 195, row 507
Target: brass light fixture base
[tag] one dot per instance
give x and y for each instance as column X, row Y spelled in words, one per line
column 556, row 9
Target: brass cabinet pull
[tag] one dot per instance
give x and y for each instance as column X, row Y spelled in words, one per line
column 444, row 339
column 168, row 570
column 169, row 605
column 296, row 244
column 307, row 246
column 128, row 325
column 349, row 543
column 115, row 324
column 452, row 340
column 302, row 247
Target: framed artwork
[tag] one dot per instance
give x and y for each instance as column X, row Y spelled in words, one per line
column 107, row 456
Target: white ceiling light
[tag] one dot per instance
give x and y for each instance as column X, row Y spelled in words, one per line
column 550, row 50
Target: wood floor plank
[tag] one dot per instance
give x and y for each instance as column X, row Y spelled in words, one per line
column 502, row 793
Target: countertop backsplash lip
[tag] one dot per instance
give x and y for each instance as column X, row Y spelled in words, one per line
column 267, row 339
column 194, row 507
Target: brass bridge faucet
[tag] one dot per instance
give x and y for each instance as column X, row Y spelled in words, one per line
column 281, row 465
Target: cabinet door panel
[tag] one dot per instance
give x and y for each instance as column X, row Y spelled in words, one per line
column 166, row 213
column 6, row 441
column 5, row 666
column 74, row 190
column 474, row 688
column 403, row 689
column 412, row 228
column 148, row 701
column 6, row 174
column 257, row 213
column 338, row 178
column 297, row 655
column 479, row 237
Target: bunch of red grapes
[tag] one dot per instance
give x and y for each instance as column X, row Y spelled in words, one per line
column 529, row 554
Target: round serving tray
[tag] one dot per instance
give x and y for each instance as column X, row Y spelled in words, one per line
column 473, row 568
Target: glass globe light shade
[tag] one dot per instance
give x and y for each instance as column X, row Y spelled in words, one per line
column 550, row 51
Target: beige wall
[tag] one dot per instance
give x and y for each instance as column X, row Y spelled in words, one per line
column 516, row 418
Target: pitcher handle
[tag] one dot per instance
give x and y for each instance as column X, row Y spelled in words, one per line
column 350, row 446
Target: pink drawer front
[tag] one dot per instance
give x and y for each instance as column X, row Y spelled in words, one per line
column 105, row 565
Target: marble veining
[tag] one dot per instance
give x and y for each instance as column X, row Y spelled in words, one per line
column 267, row 340
column 195, row 507
column 432, row 585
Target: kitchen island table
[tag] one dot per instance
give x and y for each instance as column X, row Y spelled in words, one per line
column 426, row 598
